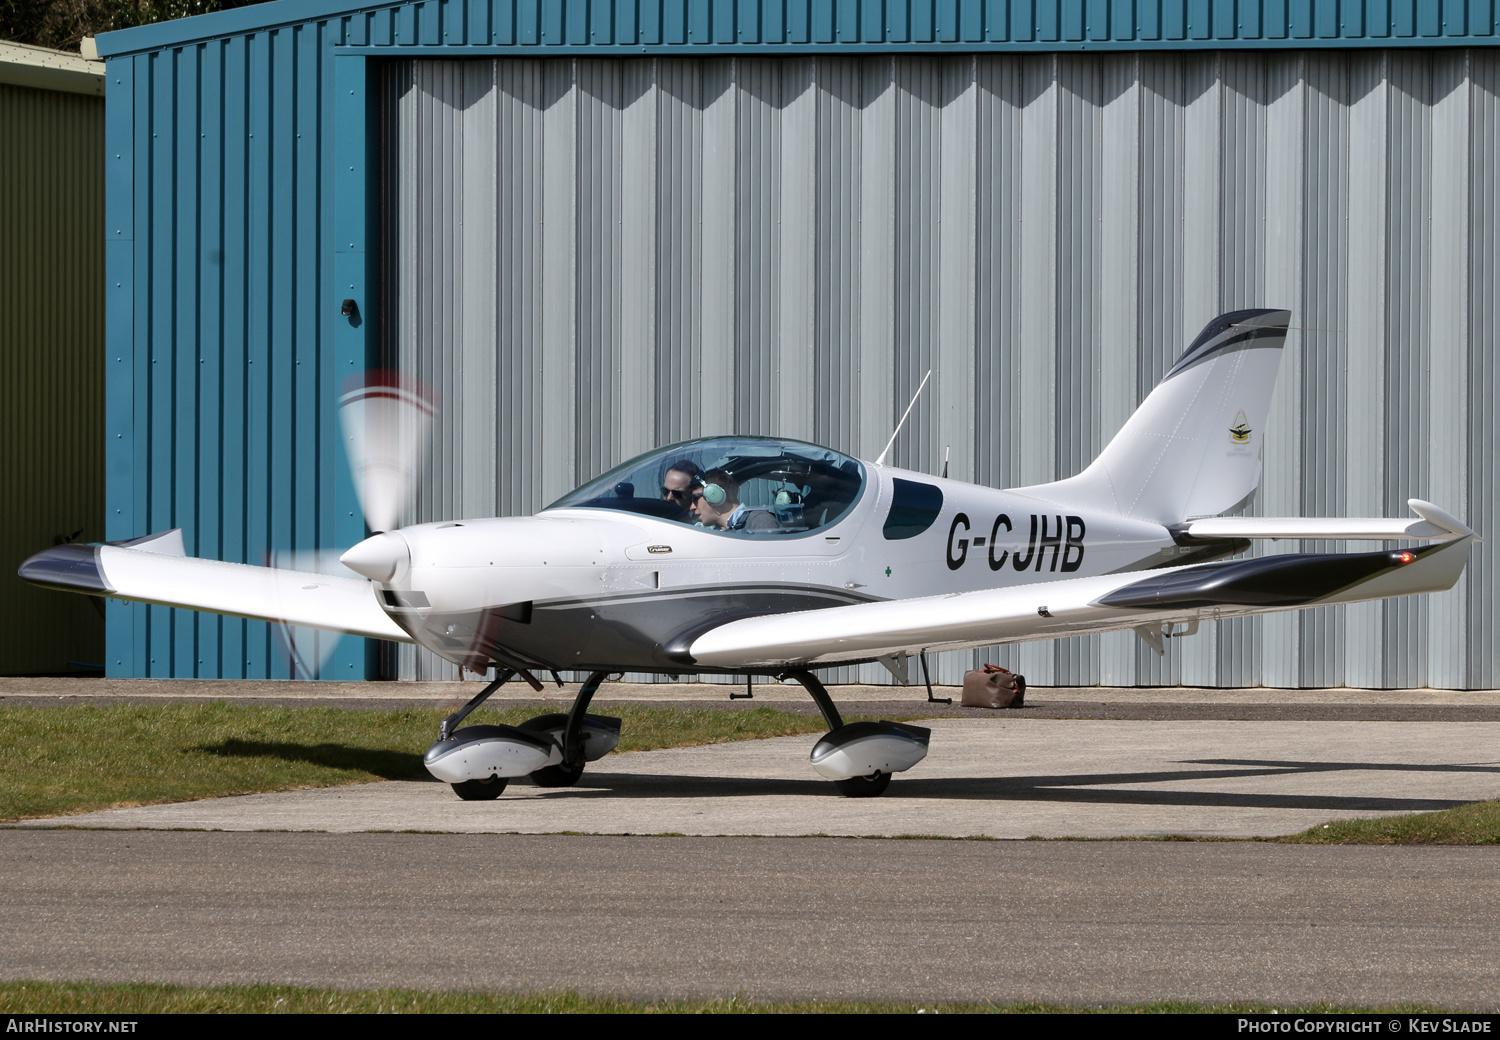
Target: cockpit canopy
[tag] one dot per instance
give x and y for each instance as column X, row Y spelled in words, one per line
column 745, row 486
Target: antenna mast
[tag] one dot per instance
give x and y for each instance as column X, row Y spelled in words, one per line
column 881, row 461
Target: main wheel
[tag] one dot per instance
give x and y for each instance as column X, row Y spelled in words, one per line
column 480, row 790
column 558, row 775
column 872, row 786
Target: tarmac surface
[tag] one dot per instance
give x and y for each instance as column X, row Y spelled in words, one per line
column 247, row 889
column 1081, row 923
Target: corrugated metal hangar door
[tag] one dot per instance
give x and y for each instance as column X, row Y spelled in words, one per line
column 588, row 258
column 52, row 368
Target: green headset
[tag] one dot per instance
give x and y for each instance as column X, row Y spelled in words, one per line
column 714, row 495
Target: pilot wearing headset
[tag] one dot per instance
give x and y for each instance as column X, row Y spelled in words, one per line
column 679, row 484
column 718, row 505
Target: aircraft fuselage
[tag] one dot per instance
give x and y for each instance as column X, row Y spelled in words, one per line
column 580, row 588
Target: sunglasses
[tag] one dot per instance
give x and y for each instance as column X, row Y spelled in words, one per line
column 684, row 493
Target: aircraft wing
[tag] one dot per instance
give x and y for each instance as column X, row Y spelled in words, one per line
column 155, row 570
column 1143, row 600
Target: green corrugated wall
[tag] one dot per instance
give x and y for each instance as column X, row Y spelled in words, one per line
column 51, row 367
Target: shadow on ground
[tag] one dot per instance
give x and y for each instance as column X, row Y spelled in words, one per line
column 381, row 762
column 1082, row 788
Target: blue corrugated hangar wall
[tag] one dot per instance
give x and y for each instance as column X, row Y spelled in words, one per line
column 773, row 217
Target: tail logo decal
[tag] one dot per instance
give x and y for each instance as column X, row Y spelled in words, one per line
column 1239, row 433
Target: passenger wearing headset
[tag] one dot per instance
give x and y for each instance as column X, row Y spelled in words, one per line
column 718, row 505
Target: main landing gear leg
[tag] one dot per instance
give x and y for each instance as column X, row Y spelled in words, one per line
column 566, row 773
column 819, row 693
column 860, row 757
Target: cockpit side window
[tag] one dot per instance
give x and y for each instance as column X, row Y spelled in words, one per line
column 914, row 507
column 753, row 487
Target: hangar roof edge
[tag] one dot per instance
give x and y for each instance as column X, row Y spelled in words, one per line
column 622, row 27
column 203, row 27
column 43, row 68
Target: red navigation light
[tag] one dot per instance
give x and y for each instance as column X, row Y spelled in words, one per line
column 1406, row 557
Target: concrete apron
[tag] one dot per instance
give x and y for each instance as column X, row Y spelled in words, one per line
column 998, row 778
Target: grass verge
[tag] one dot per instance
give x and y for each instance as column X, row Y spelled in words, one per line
column 1477, row 823
column 78, row 758
column 88, row 998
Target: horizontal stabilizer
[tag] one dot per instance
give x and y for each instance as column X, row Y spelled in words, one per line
column 150, row 575
column 1432, row 522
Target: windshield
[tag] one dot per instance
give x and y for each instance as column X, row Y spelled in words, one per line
column 746, row 486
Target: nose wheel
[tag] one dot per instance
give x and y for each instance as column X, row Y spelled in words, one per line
column 568, row 772
column 480, row 790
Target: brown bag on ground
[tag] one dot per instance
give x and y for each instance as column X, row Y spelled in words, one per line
column 993, row 687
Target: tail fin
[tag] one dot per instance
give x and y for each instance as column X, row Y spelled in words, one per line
column 1193, row 446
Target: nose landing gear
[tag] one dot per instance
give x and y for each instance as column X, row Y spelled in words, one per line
column 590, row 737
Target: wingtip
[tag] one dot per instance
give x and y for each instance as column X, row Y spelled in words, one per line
column 1442, row 518
column 71, row 568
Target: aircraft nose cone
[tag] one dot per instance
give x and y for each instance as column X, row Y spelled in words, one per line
column 380, row 558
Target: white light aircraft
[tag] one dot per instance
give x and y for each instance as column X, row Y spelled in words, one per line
column 763, row 556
